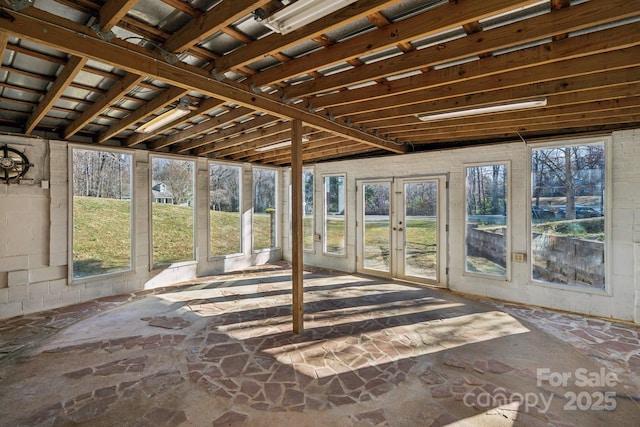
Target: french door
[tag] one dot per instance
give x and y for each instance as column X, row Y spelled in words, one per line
column 401, row 228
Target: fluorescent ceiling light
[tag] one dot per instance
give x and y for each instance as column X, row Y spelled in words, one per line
column 165, row 118
column 279, row 145
column 301, row 13
column 531, row 103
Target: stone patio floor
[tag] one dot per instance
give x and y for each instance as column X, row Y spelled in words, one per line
column 219, row 351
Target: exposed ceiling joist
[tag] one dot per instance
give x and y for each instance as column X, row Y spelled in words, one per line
column 180, row 75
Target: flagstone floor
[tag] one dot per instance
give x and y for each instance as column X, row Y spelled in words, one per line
column 219, row 351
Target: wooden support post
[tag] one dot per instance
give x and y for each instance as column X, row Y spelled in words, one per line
column 296, row 227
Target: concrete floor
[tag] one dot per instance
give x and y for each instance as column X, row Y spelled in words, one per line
column 219, row 352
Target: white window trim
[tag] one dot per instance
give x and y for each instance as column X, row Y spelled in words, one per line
column 311, row 250
column 507, row 276
column 240, row 200
column 324, row 215
column 607, row 140
column 132, row 215
column 277, row 199
column 152, row 265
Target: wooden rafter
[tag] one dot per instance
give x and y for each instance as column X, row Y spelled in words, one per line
column 70, row 71
column 179, row 75
column 276, row 42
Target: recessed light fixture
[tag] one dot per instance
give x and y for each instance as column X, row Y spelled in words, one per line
column 301, row 13
column 496, row 108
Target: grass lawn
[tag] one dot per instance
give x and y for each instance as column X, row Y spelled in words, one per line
column 420, row 246
column 101, row 236
column 225, row 233
column 172, row 228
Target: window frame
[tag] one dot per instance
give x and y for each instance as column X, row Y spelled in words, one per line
column 152, row 264
column 508, row 237
column 324, row 215
column 277, row 213
column 132, row 214
column 240, row 207
column 608, row 203
column 313, row 210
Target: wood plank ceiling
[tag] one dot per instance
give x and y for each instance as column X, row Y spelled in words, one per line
column 94, row 71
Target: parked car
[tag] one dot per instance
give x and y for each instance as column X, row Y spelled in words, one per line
column 581, row 212
column 538, row 212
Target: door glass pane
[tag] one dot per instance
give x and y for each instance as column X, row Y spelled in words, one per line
column 334, row 223
column 224, row 209
column 101, row 188
column 172, row 211
column 486, row 233
column 421, row 233
column 568, row 215
column 377, row 243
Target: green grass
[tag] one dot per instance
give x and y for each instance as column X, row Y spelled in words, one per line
column 172, row 228
column 225, row 233
column 261, row 231
column 588, row 228
column 420, row 247
column 101, row 236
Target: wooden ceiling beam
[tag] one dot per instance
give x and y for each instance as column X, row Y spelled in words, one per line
column 620, row 91
column 211, row 21
column 4, row 41
column 548, row 88
column 518, row 33
column 224, row 134
column 104, row 102
column 432, row 22
column 609, row 61
column 168, row 96
column 338, row 150
column 113, row 11
column 274, row 43
column 40, row 26
column 265, row 135
column 201, row 110
column 589, row 44
column 70, row 71
column 550, row 124
column 264, row 138
column 270, row 156
column 499, row 119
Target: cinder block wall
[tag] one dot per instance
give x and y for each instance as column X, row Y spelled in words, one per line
column 34, row 235
column 34, row 229
column 622, row 298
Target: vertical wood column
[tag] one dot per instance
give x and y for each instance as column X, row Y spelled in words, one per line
column 296, row 226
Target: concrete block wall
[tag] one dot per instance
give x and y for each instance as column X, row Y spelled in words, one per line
column 621, row 300
column 34, row 228
column 34, row 225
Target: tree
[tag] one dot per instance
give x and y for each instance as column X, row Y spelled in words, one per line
column 224, row 187
column 571, row 171
column 99, row 173
column 178, row 177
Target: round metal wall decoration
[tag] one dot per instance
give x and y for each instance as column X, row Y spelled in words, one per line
column 13, row 164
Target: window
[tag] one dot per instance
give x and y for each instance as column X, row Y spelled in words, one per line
column 307, row 211
column 334, row 215
column 264, row 208
column 225, row 217
column 568, row 215
column 172, row 210
column 487, row 237
column 101, row 212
